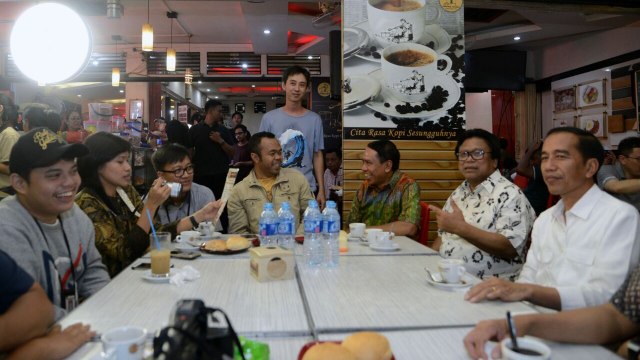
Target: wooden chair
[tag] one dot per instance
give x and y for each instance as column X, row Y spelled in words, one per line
column 423, row 235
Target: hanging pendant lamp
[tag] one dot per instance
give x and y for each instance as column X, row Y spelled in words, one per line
column 115, row 72
column 171, row 52
column 147, row 33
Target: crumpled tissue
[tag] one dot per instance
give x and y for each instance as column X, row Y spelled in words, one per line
column 187, row 273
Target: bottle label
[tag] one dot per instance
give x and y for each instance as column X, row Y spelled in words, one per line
column 332, row 226
column 312, row 226
column 285, row 228
column 268, row 229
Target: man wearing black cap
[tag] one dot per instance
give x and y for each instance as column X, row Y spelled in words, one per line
column 43, row 229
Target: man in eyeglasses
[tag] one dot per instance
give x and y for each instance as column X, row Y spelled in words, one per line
column 173, row 165
column 582, row 247
column 486, row 221
column 622, row 179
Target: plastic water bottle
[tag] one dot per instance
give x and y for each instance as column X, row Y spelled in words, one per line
column 331, row 234
column 268, row 226
column 286, row 226
column 313, row 254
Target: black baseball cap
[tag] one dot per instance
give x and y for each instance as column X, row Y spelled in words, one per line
column 41, row 147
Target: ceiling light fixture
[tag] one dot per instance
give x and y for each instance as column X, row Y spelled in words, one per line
column 266, row 31
column 188, row 73
column 171, row 52
column 121, row 91
column 147, row 33
column 67, row 43
column 115, row 72
column 516, row 38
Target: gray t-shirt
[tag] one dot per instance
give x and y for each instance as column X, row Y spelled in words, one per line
column 46, row 258
column 615, row 171
column 299, row 136
column 198, row 197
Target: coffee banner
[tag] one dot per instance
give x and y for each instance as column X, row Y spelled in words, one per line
column 403, row 69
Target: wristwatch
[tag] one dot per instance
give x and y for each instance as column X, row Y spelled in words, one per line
column 633, row 349
column 194, row 222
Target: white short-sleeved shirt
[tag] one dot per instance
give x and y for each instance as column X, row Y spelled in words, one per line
column 496, row 205
column 586, row 252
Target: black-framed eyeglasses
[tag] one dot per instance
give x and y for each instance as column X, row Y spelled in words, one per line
column 239, row 133
column 475, row 155
column 179, row 172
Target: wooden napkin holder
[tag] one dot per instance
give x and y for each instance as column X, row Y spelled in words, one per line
column 270, row 263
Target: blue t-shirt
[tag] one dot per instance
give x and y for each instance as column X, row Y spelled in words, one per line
column 299, row 136
column 14, row 281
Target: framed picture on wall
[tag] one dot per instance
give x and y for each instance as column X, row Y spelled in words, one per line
column 592, row 94
column 564, row 100
column 564, row 121
column 593, row 123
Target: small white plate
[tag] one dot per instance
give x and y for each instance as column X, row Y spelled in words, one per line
column 432, row 33
column 355, row 238
column 466, row 281
column 363, row 89
column 354, row 39
column 386, row 97
column 378, row 247
column 147, row 276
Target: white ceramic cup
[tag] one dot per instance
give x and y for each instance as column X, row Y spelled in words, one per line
column 451, row 270
column 526, row 343
column 357, row 229
column 206, row 228
column 124, row 343
column 411, row 82
column 372, row 234
column 390, row 24
column 189, row 235
column 385, row 238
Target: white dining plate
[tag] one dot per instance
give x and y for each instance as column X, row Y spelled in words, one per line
column 147, row 276
column 386, row 97
column 466, row 281
column 378, row 247
column 432, row 33
column 363, row 89
column 354, row 39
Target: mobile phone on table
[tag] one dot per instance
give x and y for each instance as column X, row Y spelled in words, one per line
column 143, row 266
column 185, row 255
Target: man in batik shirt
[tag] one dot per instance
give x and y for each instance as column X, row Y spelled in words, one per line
column 486, row 221
column 388, row 199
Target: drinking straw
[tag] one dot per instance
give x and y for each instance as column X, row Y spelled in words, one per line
column 153, row 230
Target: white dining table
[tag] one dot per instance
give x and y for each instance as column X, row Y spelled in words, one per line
column 406, row 246
column 390, row 292
column 367, row 291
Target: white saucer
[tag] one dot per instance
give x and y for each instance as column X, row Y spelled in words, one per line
column 187, row 246
column 432, row 33
column 466, row 281
column 386, row 96
column 378, row 247
column 354, row 39
column 147, row 276
column 363, row 89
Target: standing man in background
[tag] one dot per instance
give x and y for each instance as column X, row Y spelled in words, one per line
column 299, row 131
column 212, row 146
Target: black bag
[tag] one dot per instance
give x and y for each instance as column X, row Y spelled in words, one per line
column 191, row 337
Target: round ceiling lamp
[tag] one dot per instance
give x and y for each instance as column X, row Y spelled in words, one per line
column 47, row 49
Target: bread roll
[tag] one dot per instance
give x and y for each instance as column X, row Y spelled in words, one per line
column 215, row 245
column 368, row 346
column 237, row 243
column 326, row 351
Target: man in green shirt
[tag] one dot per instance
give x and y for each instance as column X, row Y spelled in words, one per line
column 388, row 199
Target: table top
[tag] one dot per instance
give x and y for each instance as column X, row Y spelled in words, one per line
column 407, row 246
column 385, row 292
column 253, row 307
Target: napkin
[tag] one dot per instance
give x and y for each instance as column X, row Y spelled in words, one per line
column 187, row 273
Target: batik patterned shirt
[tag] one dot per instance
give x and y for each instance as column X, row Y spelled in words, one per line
column 496, row 205
column 627, row 298
column 397, row 201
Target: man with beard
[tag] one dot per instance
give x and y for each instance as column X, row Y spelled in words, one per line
column 299, row 130
column 173, row 165
column 486, row 221
column 267, row 182
column 388, row 199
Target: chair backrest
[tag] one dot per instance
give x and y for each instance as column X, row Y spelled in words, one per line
column 424, row 223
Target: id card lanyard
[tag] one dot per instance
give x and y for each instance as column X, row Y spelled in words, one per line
column 68, row 302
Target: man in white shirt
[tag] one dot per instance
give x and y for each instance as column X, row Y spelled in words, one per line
column 333, row 174
column 581, row 248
